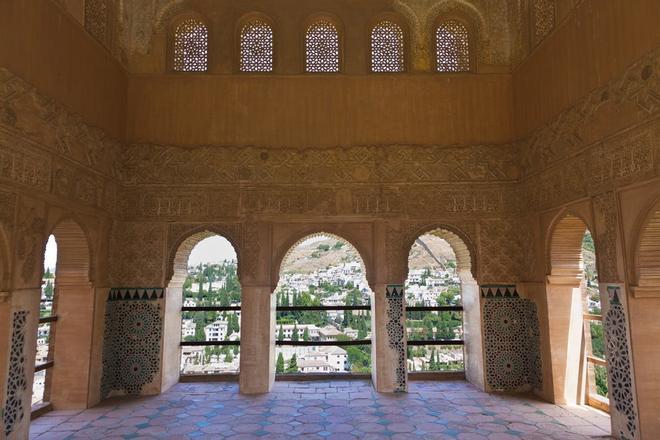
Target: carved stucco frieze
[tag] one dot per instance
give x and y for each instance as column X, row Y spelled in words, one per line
column 635, row 96
column 8, row 210
column 28, row 113
column 22, row 166
column 500, row 251
column 232, row 202
column 607, row 215
column 155, row 164
column 137, row 254
column 30, row 241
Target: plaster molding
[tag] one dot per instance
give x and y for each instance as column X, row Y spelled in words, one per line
column 645, row 291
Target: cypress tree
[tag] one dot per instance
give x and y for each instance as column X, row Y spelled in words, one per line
column 293, row 365
column 294, row 335
column 279, row 366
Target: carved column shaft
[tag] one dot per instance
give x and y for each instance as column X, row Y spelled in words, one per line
column 257, row 365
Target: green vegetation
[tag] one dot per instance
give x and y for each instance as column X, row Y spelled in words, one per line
column 279, row 366
column 229, row 294
column 601, row 380
column 293, row 365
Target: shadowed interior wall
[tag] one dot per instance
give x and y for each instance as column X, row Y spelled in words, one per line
column 318, row 111
column 592, row 46
column 52, row 51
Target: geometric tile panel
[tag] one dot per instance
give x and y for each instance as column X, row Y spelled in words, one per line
column 395, row 332
column 132, row 340
column 511, row 340
column 618, row 362
column 16, row 379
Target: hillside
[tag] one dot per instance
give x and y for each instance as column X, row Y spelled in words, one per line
column 318, row 254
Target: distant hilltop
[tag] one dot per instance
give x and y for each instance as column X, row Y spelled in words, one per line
column 314, row 255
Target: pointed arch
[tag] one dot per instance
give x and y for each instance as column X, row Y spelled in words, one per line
column 647, row 254
column 183, row 244
column 307, row 236
column 565, row 245
column 457, row 239
column 73, row 253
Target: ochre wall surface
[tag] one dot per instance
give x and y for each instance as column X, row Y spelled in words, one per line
column 317, row 111
column 590, row 47
column 48, row 48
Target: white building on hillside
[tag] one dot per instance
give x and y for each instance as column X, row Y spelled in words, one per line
column 188, row 327
column 328, row 333
column 216, row 331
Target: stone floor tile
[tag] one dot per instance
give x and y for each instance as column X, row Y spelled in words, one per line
column 326, row 410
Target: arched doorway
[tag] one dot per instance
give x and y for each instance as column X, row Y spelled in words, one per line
column 644, row 322
column 575, row 323
column 323, row 309
column 66, row 321
column 203, row 311
column 442, row 307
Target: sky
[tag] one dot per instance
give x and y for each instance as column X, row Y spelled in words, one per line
column 50, row 258
column 210, row 250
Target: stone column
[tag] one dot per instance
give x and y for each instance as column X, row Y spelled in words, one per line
column 257, row 363
column 563, row 301
column 172, row 336
column 472, row 331
column 20, row 337
column 388, row 339
column 72, row 345
column 96, row 358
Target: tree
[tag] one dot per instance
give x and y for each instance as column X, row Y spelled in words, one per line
column 48, row 290
column 306, row 334
column 48, row 274
column 294, row 335
column 293, row 365
column 280, row 335
column 279, row 366
column 229, row 358
column 432, row 362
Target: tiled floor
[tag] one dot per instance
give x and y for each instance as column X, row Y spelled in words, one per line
column 325, row 410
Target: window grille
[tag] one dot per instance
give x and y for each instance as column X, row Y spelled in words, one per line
column 256, row 47
column 387, row 47
column 191, row 46
column 322, row 47
column 452, row 47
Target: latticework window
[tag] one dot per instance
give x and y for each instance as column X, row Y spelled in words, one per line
column 452, row 47
column 256, row 47
column 322, row 47
column 191, row 41
column 544, row 18
column 387, row 48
